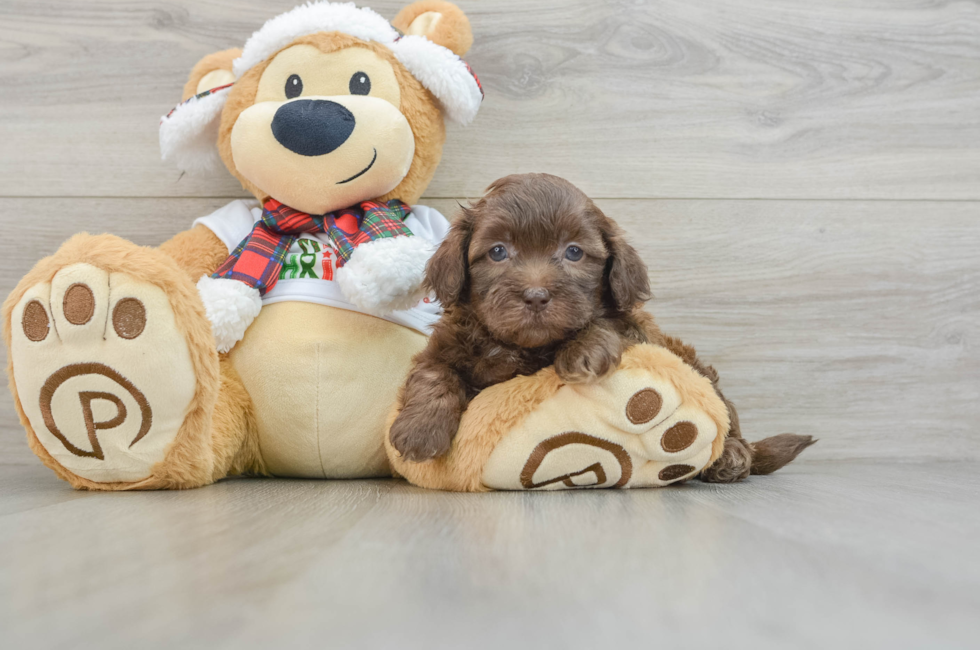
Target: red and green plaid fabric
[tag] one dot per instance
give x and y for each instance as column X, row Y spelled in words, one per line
column 257, row 260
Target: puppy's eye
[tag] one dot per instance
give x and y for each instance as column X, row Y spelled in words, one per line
column 294, row 86
column 498, row 253
column 573, row 253
column 360, row 84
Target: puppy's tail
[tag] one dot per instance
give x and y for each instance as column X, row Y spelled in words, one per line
column 769, row 454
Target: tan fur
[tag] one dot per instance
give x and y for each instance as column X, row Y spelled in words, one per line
column 214, row 61
column 197, row 251
column 234, row 433
column 417, row 104
column 453, row 30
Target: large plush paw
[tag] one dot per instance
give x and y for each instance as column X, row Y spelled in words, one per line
column 102, row 371
column 653, row 422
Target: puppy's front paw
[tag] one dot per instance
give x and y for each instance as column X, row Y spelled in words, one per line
column 587, row 360
column 421, row 435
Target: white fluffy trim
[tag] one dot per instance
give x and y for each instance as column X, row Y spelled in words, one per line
column 189, row 134
column 444, row 74
column 437, row 68
column 385, row 275
column 231, row 307
column 310, row 18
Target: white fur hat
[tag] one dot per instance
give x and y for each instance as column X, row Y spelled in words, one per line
column 188, row 133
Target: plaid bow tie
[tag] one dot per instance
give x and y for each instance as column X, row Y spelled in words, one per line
column 258, row 259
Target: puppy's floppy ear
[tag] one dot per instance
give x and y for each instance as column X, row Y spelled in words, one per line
column 210, row 72
column 441, row 22
column 447, row 272
column 626, row 274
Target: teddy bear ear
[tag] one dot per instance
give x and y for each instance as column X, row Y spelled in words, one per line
column 212, row 71
column 441, row 22
column 189, row 133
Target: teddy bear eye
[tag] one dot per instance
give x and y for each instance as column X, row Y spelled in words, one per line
column 498, row 253
column 573, row 253
column 360, row 84
column 294, row 86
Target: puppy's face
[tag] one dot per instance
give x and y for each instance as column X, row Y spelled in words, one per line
column 536, row 267
column 536, row 261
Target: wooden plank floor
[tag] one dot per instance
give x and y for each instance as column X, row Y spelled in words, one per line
column 822, row 555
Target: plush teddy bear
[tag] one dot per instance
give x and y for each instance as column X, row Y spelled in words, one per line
column 273, row 336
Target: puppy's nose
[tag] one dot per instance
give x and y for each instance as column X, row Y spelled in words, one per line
column 536, row 298
column 312, row 127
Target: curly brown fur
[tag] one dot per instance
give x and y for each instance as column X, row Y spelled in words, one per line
column 770, row 454
column 493, row 330
column 563, row 292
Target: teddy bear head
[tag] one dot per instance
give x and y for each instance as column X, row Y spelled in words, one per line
column 328, row 105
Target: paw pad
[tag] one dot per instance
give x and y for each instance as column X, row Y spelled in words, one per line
column 129, row 318
column 643, row 406
column 35, row 321
column 674, row 472
column 78, row 304
column 679, row 437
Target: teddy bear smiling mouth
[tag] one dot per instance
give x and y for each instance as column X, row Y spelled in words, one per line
column 363, row 171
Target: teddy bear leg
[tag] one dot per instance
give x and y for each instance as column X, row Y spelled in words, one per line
column 654, row 422
column 114, row 370
column 234, row 433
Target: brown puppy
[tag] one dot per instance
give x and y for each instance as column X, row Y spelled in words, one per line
column 533, row 275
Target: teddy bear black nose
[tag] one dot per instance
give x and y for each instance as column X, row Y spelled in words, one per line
column 312, row 127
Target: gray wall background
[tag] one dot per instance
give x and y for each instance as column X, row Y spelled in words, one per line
column 802, row 177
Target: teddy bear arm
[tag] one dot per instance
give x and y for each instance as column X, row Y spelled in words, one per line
column 230, row 305
column 198, row 251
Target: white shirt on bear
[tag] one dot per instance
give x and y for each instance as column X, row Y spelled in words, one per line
column 307, row 275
